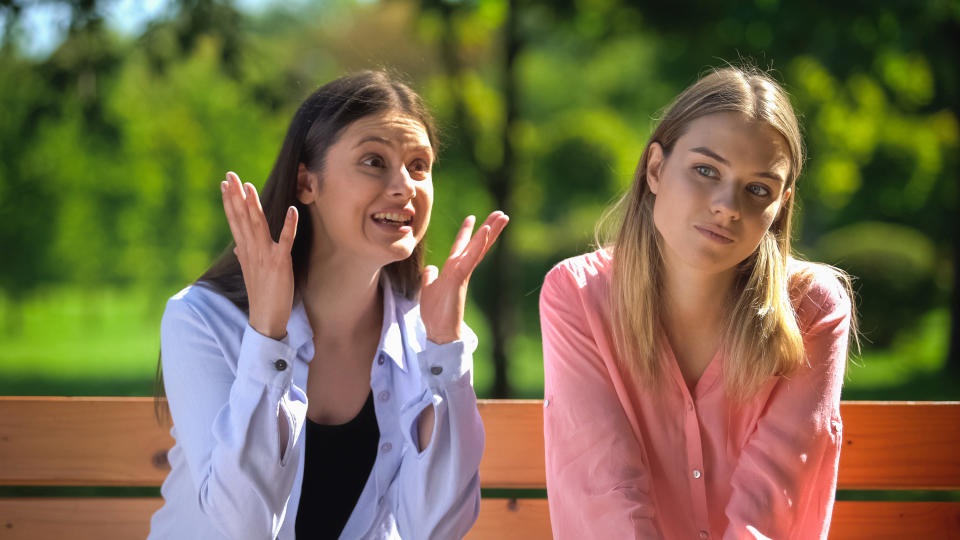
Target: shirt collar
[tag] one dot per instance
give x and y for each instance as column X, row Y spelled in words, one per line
column 391, row 335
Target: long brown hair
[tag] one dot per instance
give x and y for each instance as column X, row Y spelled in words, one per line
column 761, row 335
column 315, row 127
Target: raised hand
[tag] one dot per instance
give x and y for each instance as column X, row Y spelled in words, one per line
column 444, row 293
column 267, row 265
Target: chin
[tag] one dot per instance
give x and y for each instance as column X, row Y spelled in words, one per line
column 401, row 251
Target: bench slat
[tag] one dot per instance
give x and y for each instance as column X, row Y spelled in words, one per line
column 873, row 520
column 900, row 445
column 81, row 442
column 33, row 518
column 116, row 442
column 500, row 519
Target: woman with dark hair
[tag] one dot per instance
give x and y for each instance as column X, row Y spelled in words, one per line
column 312, row 396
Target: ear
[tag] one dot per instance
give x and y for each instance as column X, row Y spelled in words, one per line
column 308, row 185
column 654, row 166
column 783, row 202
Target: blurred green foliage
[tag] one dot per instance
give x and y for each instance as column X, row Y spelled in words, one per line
column 111, row 149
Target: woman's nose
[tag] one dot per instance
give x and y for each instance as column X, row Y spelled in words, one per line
column 401, row 184
column 726, row 203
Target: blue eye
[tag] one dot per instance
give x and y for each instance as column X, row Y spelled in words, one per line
column 758, row 190
column 703, row 170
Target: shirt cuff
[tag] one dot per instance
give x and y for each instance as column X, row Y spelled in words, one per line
column 265, row 360
column 442, row 365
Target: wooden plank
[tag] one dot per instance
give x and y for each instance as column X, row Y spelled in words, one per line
column 500, row 519
column 513, row 452
column 76, row 519
column 116, row 441
column 900, row 445
column 75, row 441
column 504, row 519
column 120, row 519
column 856, row 520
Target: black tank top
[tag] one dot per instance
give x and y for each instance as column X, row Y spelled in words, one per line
column 336, row 464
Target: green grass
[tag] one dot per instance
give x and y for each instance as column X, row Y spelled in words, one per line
column 80, row 342
column 72, row 341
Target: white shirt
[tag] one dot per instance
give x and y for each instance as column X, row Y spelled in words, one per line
column 232, row 392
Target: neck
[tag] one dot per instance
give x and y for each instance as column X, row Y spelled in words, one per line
column 693, row 299
column 342, row 299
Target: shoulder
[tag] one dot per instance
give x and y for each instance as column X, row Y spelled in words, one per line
column 818, row 293
column 586, row 274
column 199, row 306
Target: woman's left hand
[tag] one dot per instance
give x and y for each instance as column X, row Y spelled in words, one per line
column 444, row 293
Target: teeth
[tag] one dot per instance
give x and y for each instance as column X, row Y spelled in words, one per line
column 392, row 216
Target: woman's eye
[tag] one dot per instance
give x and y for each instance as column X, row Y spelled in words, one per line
column 418, row 168
column 374, row 161
column 703, row 170
column 758, row 190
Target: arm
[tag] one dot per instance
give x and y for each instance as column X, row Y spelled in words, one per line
column 440, row 485
column 597, row 482
column 238, row 431
column 784, row 482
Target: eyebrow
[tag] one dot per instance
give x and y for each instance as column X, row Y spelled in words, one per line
column 374, row 138
column 388, row 142
column 711, row 154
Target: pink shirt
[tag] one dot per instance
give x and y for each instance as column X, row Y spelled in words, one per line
column 625, row 463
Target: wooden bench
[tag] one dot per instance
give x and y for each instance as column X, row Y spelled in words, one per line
column 57, row 441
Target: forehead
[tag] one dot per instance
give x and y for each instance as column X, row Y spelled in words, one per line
column 742, row 141
column 393, row 128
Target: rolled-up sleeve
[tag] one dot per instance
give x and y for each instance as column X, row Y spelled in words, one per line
column 237, row 430
column 440, row 486
column 785, row 479
column 598, row 484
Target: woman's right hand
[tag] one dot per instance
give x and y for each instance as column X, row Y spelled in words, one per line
column 267, row 265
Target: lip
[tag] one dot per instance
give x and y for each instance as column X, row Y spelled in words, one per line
column 402, row 229
column 715, row 233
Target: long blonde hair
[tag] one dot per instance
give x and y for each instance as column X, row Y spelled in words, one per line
column 761, row 337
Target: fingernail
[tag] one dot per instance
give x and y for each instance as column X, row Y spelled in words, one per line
column 290, row 212
column 223, row 186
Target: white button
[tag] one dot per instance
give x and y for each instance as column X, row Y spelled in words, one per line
column 546, row 403
column 384, row 396
column 697, row 473
column 386, row 447
column 704, row 534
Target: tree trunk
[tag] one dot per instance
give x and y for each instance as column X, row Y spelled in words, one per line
column 499, row 308
column 500, row 182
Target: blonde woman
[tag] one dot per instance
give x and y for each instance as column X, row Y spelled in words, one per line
column 692, row 366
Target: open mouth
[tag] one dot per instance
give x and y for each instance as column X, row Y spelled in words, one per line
column 392, row 218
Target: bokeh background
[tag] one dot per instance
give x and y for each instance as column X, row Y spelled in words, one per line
column 119, row 118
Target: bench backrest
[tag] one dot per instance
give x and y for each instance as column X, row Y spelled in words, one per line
column 56, row 441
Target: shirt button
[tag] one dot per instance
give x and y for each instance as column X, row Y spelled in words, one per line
column 384, row 396
column 704, row 534
column 689, row 405
column 697, row 473
column 280, row 364
column 546, row 403
column 436, row 370
column 386, row 447
column 380, row 360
